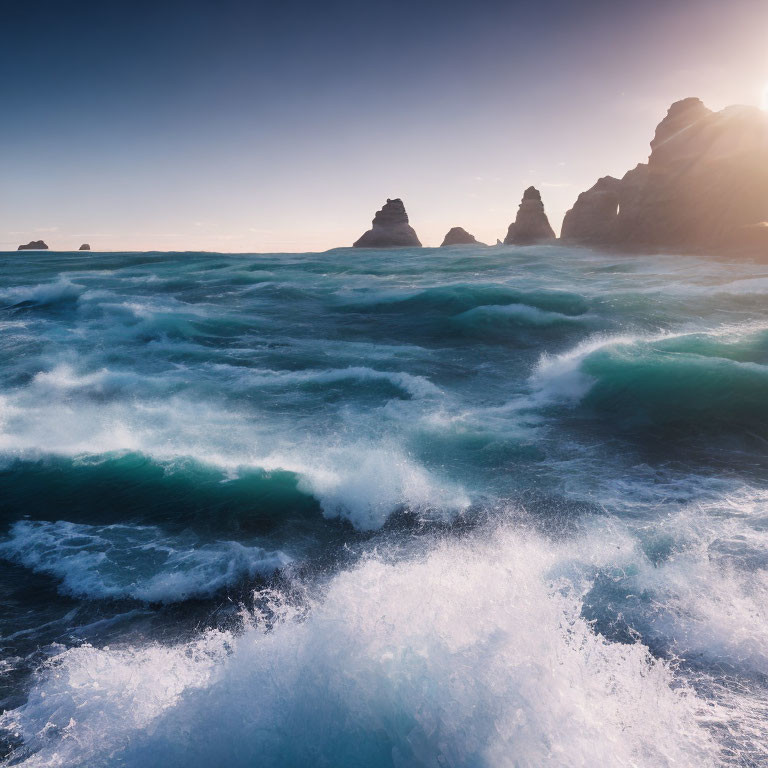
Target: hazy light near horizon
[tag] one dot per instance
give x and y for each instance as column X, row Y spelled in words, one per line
column 292, row 139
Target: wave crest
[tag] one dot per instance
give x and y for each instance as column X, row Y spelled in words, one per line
column 694, row 382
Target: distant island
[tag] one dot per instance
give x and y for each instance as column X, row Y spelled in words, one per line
column 704, row 189
column 33, row 245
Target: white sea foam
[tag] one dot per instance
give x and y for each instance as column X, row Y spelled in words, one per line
column 127, row 561
column 366, row 484
column 353, row 474
column 560, row 377
column 710, row 593
column 471, row 654
column 415, row 386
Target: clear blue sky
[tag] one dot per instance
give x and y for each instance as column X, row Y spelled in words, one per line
column 257, row 126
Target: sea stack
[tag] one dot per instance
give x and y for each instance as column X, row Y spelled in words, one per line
column 33, row 245
column 84, row 247
column 531, row 227
column 390, row 229
column 703, row 189
column 459, row 236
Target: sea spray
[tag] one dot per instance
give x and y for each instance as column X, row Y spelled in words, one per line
column 471, row 653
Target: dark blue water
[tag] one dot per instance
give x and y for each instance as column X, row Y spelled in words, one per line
column 458, row 507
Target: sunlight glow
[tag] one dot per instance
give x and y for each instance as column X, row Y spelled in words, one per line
column 764, row 102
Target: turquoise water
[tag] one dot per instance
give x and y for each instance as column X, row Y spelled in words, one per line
column 458, row 507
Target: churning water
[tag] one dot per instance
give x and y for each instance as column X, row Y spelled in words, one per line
column 457, row 507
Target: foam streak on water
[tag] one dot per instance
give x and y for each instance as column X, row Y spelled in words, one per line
column 464, row 507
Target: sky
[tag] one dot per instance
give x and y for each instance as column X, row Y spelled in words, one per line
column 226, row 125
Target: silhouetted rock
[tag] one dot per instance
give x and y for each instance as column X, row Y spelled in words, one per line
column 84, row 247
column 704, row 187
column 390, row 229
column 33, row 245
column 592, row 220
column 531, row 225
column 459, row 236
column 675, row 137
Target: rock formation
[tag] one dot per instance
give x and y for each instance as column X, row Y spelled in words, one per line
column 390, row 229
column 592, row 220
column 459, row 236
column 704, row 188
column 33, row 245
column 531, row 225
column 84, row 247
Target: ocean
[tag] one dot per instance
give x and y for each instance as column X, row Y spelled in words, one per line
column 433, row 507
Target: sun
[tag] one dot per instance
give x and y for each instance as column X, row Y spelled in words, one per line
column 764, row 102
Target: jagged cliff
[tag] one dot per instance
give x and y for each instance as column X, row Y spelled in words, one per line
column 704, row 187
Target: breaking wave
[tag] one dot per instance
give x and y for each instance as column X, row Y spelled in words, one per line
column 688, row 382
column 414, row 656
column 61, row 291
column 130, row 561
